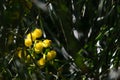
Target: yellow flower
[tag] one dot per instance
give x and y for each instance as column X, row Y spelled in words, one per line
column 31, row 36
column 47, row 43
column 37, row 33
column 51, row 54
column 28, row 42
column 38, row 47
column 41, row 62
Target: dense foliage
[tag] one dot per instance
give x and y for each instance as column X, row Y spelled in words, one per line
column 84, row 38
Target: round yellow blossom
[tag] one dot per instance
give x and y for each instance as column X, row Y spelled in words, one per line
column 51, row 54
column 41, row 62
column 28, row 42
column 38, row 47
column 31, row 36
column 47, row 43
column 37, row 33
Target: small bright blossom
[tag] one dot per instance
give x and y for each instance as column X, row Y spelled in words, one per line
column 41, row 62
column 28, row 42
column 51, row 54
column 38, row 47
column 31, row 36
column 37, row 33
column 47, row 43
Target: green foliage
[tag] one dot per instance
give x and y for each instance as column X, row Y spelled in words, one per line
column 85, row 34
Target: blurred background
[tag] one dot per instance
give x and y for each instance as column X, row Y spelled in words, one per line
column 84, row 33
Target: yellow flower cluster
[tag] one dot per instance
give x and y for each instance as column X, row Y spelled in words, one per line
column 40, row 48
